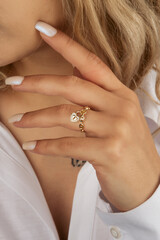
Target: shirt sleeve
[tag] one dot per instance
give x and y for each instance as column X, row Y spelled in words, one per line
column 140, row 223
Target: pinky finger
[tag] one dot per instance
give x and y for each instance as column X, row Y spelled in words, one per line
column 82, row 148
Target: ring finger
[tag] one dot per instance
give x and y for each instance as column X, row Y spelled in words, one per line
column 96, row 124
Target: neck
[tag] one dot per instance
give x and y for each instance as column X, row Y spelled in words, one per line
column 43, row 61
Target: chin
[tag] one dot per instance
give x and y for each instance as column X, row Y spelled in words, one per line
column 4, row 60
column 3, row 64
column 13, row 54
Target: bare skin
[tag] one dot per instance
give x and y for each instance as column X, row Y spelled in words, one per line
column 118, row 148
column 22, row 46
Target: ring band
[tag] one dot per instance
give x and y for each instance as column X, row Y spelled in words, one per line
column 79, row 116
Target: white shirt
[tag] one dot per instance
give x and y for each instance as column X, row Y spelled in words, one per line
column 25, row 215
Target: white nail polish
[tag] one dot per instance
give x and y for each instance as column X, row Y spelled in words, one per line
column 29, row 145
column 45, row 28
column 16, row 80
column 15, row 118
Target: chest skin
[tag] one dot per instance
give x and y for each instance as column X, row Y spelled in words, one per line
column 56, row 174
column 57, row 178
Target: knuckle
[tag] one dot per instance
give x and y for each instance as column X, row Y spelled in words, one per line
column 73, row 81
column 122, row 127
column 94, row 59
column 63, row 109
column 114, row 148
column 133, row 96
column 130, row 110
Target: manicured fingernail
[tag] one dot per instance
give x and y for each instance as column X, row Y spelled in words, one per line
column 15, row 118
column 29, row 145
column 16, row 80
column 45, row 28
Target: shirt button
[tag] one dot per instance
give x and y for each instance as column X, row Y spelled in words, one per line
column 115, row 232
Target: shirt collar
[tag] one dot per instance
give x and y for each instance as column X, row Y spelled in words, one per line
column 149, row 108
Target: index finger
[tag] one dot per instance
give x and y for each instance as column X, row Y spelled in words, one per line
column 91, row 67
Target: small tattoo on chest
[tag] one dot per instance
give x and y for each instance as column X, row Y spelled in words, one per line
column 77, row 163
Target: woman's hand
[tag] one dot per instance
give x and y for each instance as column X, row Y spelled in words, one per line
column 118, row 142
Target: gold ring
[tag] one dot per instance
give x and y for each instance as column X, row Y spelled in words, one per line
column 79, row 116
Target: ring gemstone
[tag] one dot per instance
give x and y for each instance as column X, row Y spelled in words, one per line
column 74, row 117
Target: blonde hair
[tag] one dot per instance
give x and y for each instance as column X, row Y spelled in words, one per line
column 124, row 34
